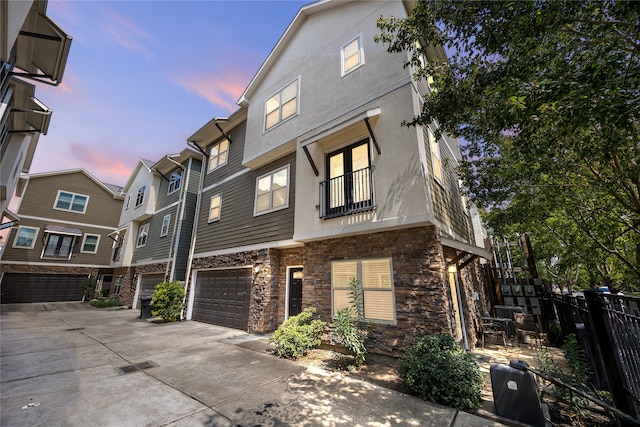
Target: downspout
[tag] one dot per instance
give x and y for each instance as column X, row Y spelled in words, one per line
column 196, row 217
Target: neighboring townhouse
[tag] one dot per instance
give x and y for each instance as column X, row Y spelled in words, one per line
column 66, row 218
column 314, row 181
column 153, row 238
column 31, row 47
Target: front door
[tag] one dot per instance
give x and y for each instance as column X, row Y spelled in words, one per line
column 295, row 291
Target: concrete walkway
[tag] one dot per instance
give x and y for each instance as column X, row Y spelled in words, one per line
column 68, row 364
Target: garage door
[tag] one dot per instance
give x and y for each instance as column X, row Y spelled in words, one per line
column 222, row 297
column 24, row 287
column 147, row 283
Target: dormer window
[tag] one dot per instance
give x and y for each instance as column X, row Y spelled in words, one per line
column 352, row 55
column 281, row 106
column 174, row 182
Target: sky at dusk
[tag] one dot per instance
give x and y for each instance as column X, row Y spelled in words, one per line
column 143, row 76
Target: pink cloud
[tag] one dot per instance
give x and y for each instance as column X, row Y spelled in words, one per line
column 221, row 91
column 127, row 34
column 101, row 163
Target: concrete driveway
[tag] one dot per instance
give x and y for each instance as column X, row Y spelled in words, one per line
column 69, row 364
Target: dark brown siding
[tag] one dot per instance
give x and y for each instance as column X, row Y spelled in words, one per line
column 237, row 225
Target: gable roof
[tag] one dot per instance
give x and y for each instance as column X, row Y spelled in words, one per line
column 114, row 190
column 142, row 163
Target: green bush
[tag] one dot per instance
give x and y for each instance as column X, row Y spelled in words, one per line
column 298, row 334
column 349, row 326
column 168, row 301
column 89, row 286
column 102, row 303
column 437, row 369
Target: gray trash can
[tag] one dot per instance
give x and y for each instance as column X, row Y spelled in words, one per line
column 515, row 393
column 145, row 307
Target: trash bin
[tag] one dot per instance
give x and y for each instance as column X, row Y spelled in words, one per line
column 145, row 307
column 515, row 393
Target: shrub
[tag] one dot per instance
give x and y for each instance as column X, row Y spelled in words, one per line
column 102, row 303
column 168, row 301
column 437, row 369
column 89, row 286
column 298, row 334
column 350, row 328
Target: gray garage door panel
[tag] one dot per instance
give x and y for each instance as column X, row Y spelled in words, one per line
column 147, row 284
column 222, row 297
column 25, row 287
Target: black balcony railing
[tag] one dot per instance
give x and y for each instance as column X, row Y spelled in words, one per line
column 57, row 251
column 347, row 194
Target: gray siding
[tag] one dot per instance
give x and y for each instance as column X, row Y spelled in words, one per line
column 237, row 225
column 234, row 162
column 41, row 193
column 157, row 247
column 164, row 199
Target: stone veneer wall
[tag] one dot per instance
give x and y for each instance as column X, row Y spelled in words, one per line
column 128, row 289
column 287, row 258
column 48, row 269
column 423, row 303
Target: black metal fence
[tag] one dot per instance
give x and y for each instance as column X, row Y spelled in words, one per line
column 608, row 329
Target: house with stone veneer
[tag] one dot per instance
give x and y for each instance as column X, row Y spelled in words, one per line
column 314, row 181
column 66, row 219
column 153, row 237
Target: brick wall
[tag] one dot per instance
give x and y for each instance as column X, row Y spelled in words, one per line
column 422, row 293
column 48, row 269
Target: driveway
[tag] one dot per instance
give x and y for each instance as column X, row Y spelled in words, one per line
column 69, row 364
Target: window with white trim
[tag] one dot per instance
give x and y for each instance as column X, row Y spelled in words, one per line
column 375, row 280
column 118, row 285
column 272, row 191
column 436, row 160
column 281, row 106
column 71, row 202
column 142, row 236
column 90, row 243
column 174, row 182
column 215, row 207
column 218, row 155
column 140, row 196
column 166, row 221
column 25, row 237
column 352, row 55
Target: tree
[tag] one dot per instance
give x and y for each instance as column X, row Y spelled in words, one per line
column 545, row 96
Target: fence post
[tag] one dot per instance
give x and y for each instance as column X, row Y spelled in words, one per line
column 605, row 350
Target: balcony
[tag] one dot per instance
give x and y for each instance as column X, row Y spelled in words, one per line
column 348, row 194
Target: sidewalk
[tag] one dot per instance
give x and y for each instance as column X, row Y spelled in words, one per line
column 68, row 364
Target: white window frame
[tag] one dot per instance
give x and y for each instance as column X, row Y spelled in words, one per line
column 175, row 182
column 364, row 288
column 271, row 208
column 140, row 196
column 143, row 235
column 166, row 223
column 219, row 207
column 278, row 95
column 436, row 158
column 84, row 241
column 73, row 199
column 33, row 241
column 343, row 70
column 117, row 288
column 214, row 159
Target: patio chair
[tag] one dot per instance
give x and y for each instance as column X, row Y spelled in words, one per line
column 526, row 326
column 492, row 328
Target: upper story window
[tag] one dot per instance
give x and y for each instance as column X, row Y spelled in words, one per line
column 349, row 184
column 26, row 237
column 166, row 221
column 436, row 160
column 142, row 236
column 218, row 155
column 174, row 182
column 66, row 201
column 126, row 206
column 375, row 283
column 352, row 55
column 281, row 106
column 272, row 191
column 58, row 246
column 90, row 243
column 215, row 207
column 140, row 196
